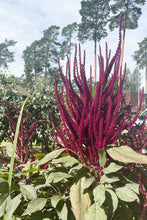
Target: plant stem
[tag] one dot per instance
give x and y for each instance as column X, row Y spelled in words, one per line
column 15, row 145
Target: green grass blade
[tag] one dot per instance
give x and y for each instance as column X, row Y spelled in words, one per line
column 15, row 144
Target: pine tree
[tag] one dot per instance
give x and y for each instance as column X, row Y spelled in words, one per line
column 94, row 19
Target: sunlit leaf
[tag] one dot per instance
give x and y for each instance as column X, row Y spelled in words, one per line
column 95, row 212
column 67, row 161
column 28, row 191
column 126, row 154
column 55, row 199
column 102, row 157
column 12, row 205
column 80, row 201
column 108, row 179
column 56, row 177
column 35, row 205
column 126, row 194
column 112, row 168
column 99, row 194
column 54, row 154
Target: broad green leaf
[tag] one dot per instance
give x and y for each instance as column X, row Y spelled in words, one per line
column 55, row 199
column 95, row 212
column 112, row 168
column 63, row 214
column 99, row 194
column 12, row 205
column 108, row 179
column 29, row 192
column 80, row 201
column 54, row 154
column 113, row 198
column 126, row 194
column 35, row 205
column 102, row 157
column 67, row 161
column 3, row 206
column 134, row 187
column 56, row 177
column 86, row 182
column 126, row 154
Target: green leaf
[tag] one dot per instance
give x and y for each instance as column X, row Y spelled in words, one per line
column 95, row 212
column 3, row 204
column 126, row 194
column 28, row 191
column 108, row 179
column 35, row 205
column 102, row 157
column 80, row 201
column 112, row 168
column 67, row 161
column 86, row 182
column 63, row 214
column 12, row 205
column 54, row 154
column 113, row 198
column 126, row 154
column 55, row 199
column 134, row 187
column 56, row 177
column 99, row 194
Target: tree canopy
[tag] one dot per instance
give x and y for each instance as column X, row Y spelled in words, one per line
column 94, row 15
column 6, row 56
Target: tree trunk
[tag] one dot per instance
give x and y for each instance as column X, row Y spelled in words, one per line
column 95, row 56
column 122, row 54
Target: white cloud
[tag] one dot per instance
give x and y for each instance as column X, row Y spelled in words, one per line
column 25, row 20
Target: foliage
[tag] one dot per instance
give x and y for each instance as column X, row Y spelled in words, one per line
column 40, row 57
column 6, row 56
column 132, row 81
column 24, row 142
column 140, row 56
column 89, row 123
column 97, row 170
column 67, row 45
column 39, row 104
column 94, row 15
column 131, row 11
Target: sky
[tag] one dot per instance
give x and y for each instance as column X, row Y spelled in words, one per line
column 25, row 20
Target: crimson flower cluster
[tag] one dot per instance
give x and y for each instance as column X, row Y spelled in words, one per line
column 90, row 122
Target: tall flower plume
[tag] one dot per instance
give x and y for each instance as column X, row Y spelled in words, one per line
column 88, row 123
